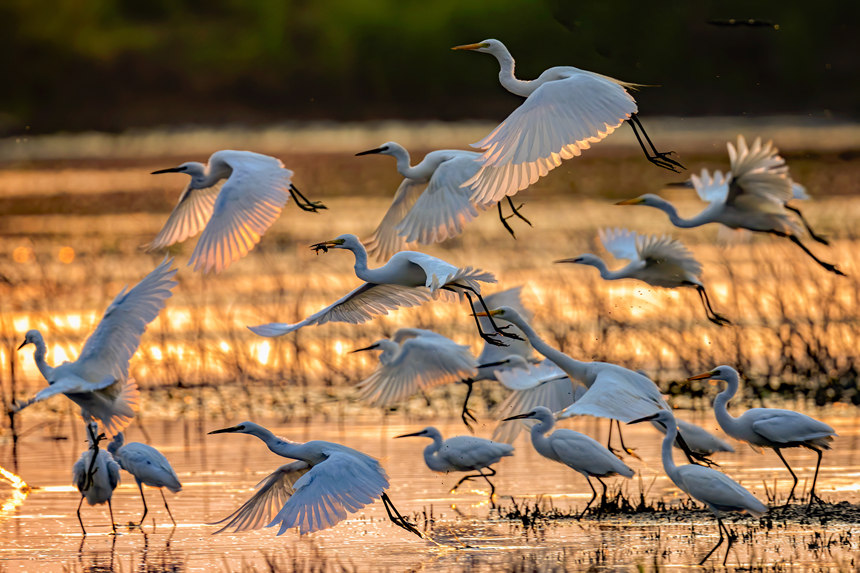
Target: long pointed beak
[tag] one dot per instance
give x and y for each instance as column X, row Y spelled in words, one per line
column 225, row 430
column 644, row 419
column 23, row 344
column 169, row 170
column 325, row 245
column 687, row 184
column 702, row 376
column 370, row 151
column 518, row 417
column 371, row 347
column 421, row 433
column 477, row 46
column 634, row 201
column 491, row 313
column 573, row 260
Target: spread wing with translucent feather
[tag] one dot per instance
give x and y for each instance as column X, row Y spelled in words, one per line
column 556, row 394
column 192, row 212
column 386, row 240
column 622, row 243
column 667, row 251
column 557, row 121
column 618, row 396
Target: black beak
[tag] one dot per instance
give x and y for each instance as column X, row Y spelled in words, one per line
column 371, row 347
column 421, row 433
column 170, row 170
column 23, row 344
column 518, row 417
column 225, row 430
column 645, row 419
column 369, row 151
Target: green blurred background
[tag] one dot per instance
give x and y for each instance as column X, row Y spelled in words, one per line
column 118, row 64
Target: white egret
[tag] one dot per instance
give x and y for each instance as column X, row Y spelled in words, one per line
column 462, row 454
column 713, row 488
column 96, row 475
column 148, row 466
column 408, row 279
column 565, row 111
column 769, row 427
column 752, row 196
column 430, row 205
column 233, row 215
column 98, row 380
column 702, row 443
column 317, row 491
column 658, row 261
column 577, row 451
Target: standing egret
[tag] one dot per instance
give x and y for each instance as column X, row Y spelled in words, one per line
column 430, row 205
column 565, row 111
column 752, row 196
column 98, row 380
column 462, row 454
column 713, row 488
column 234, row 215
column 96, row 475
column 769, row 427
column 577, row 451
column 408, row 279
column 148, row 466
column 316, row 492
column 658, row 261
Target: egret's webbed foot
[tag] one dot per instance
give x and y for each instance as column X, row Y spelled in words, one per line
column 396, row 518
column 658, row 158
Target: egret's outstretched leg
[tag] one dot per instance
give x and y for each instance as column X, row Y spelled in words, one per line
column 466, row 414
column 794, row 477
column 717, row 319
column 504, row 221
column 812, row 496
column 658, row 158
column 720, row 528
column 145, row 509
column 809, row 230
column 590, row 501
column 81, row 521
column 503, row 330
column 796, row 241
column 302, row 201
column 487, row 336
column 396, row 518
column 112, row 522
column 515, row 211
column 92, row 429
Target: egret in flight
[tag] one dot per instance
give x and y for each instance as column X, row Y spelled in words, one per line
column 769, row 427
column 658, row 261
column 408, row 279
column 233, row 215
column 98, row 380
column 316, row 492
column 430, row 205
column 577, row 451
column 752, row 196
column 96, row 475
column 463, row 454
column 565, row 111
column 713, row 488
column 148, row 466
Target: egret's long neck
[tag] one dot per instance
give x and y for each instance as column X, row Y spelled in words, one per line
column 507, row 78
column 572, row 367
column 430, row 458
column 539, row 439
column 39, row 356
column 361, row 268
column 403, row 167
column 215, row 172
column 277, row 445
column 668, row 462
column 605, row 273
column 727, row 422
column 676, row 219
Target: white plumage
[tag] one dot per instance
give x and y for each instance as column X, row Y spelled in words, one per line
column 95, row 479
column 98, row 380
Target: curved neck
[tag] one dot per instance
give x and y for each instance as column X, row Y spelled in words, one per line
column 279, row 446
column 361, row 268
column 727, row 422
column 572, row 367
column 507, row 78
column 668, row 462
column 605, row 273
column 433, row 462
column 215, row 172
column 676, row 219
column 404, row 168
column 39, row 356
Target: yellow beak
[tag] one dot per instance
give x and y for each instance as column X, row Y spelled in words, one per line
column 477, row 46
column 492, row 313
column 636, row 201
column 702, row 376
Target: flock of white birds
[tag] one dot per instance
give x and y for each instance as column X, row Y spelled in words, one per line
column 238, row 195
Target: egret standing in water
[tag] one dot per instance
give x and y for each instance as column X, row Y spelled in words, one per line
column 430, row 205
column 577, row 451
column 98, row 380
column 713, row 488
column 317, row 491
column 408, row 279
column 462, row 454
column 752, row 196
column 148, row 466
column 233, row 215
column 658, row 261
column 565, row 111
column 96, row 475
column 769, row 427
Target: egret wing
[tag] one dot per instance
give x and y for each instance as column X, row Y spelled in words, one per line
column 439, row 273
column 622, row 243
column 386, row 239
column 523, row 378
column 759, row 174
column 333, row 488
column 711, row 188
column 557, row 121
column 249, row 203
column 718, row 490
column 581, row 451
column 67, row 384
column 148, row 465
column 554, row 393
column 358, row 306
column 192, row 212
column 785, row 426
column 273, row 492
column 110, row 347
column 668, row 252
column 619, row 396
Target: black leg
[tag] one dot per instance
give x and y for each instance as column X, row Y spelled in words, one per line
column 466, row 415
column 609, row 441
column 658, row 158
column 602, row 496
column 590, row 501
column 809, row 230
column 717, row 319
column 720, row 542
column 145, row 509
column 81, row 521
column 487, row 336
column 630, row 451
column 302, row 201
column 396, row 518
column 812, row 496
column 486, row 476
column 794, row 477
column 828, row 266
column 496, row 328
column 112, row 522
column 504, row 221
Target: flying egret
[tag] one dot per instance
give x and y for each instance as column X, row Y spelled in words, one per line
column 316, row 492
column 577, row 451
column 148, row 466
column 462, row 454
column 98, row 380
column 430, row 205
column 769, row 427
column 233, row 215
column 752, row 196
column 96, row 475
column 658, row 261
column 565, row 111
column 713, row 488
column 408, row 279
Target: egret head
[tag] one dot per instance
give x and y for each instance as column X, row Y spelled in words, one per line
column 428, row 432
column 347, row 241
column 487, row 46
column 387, row 148
column 648, row 199
column 116, row 443
column 243, row 428
column 197, row 171
column 724, row 373
column 584, row 259
column 32, row 337
column 504, row 313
